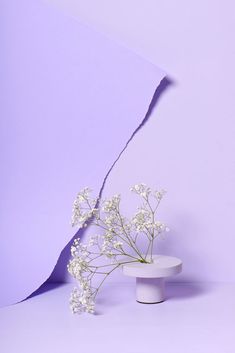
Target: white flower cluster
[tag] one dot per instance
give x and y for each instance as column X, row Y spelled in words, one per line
column 141, row 220
column 141, row 189
column 144, row 191
column 79, row 264
column 83, row 208
column 76, row 267
column 82, row 301
column 159, row 194
column 111, row 246
column 118, row 240
column 112, row 204
column 160, row 227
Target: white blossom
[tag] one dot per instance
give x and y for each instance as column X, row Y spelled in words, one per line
column 82, row 301
column 76, row 267
column 117, row 241
column 83, row 208
column 159, row 226
column 141, row 189
column 111, row 204
column 117, row 244
column 93, row 240
column 159, row 194
column 141, row 220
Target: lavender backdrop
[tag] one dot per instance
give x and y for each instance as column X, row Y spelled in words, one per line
column 70, row 101
column 188, row 145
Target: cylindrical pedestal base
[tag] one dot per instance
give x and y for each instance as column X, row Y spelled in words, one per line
column 150, row 290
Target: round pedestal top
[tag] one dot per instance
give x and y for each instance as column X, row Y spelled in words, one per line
column 162, row 266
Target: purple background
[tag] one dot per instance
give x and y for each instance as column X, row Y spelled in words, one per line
column 188, row 145
column 71, row 100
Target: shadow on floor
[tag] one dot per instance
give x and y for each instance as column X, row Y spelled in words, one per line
column 185, row 290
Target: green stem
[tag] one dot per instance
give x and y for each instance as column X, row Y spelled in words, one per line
column 151, row 251
column 107, row 274
column 133, row 245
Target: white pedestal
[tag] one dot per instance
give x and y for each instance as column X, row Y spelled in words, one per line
column 150, row 290
column 150, row 286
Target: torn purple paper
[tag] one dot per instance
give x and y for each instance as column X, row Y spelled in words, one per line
column 70, row 100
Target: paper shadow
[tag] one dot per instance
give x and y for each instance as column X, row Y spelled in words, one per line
column 186, row 290
column 45, row 287
column 59, row 272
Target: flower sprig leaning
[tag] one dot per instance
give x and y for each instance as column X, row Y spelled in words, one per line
column 118, row 240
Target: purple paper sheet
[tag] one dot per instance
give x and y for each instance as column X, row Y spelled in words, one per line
column 70, row 100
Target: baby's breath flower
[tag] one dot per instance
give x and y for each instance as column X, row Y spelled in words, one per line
column 159, row 194
column 117, row 241
column 76, row 267
column 117, row 245
column 141, row 220
column 93, row 240
column 141, row 189
column 83, row 208
column 82, row 301
column 111, row 204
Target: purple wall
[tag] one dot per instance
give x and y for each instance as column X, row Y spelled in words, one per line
column 71, row 99
column 188, row 145
column 51, row 82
